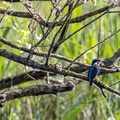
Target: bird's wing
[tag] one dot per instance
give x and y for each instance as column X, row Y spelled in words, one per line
column 90, row 74
column 93, row 72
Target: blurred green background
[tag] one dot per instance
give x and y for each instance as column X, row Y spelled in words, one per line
column 85, row 102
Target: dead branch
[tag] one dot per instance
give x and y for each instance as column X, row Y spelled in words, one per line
column 108, row 62
column 49, row 24
column 16, row 13
column 53, row 68
column 40, row 53
column 50, row 68
column 36, row 75
column 21, row 78
column 107, row 88
column 35, row 91
column 48, row 89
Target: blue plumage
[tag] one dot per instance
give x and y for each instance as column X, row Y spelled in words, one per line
column 93, row 70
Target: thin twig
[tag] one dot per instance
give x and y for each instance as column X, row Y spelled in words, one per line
column 60, row 42
column 53, row 41
column 39, row 42
column 93, row 47
column 103, row 93
column 6, row 10
column 107, row 88
column 114, row 12
column 114, row 84
column 64, row 29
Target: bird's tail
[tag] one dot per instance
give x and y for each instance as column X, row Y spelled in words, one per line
column 90, row 81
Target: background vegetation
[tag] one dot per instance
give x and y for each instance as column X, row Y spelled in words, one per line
column 85, row 102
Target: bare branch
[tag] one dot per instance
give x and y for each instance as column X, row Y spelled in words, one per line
column 21, row 78
column 50, row 68
column 58, row 32
column 85, row 16
column 54, row 69
column 106, row 87
column 35, row 91
column 109, row 62
column 82, row 66
column 37, row 16
column 40, row 53
column 16, row 13
column 65, row 27
column 36, row 74
column 48, row 89
column 49, row 24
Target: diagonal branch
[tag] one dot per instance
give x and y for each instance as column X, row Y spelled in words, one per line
column 93, row 47
column 107, row 88
column 65, row 27
column 108, row 62
column 63, row 40
column 37, row 65
column 85, row 16
column 39, row 53
column 50, row 68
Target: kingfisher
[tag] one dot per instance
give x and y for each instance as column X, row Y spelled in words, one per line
column 94, row 70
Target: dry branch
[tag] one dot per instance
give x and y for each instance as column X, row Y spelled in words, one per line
column 54, row 69
column 85, row 16
column 16, row 13
column 49, row 24
column 50, row 68
column 36, row 75
column 108, row 62
column 48, row 89
column 43, row 54
column 35, row 91
column 93, row 47
column 37, row 65
column 21, row 78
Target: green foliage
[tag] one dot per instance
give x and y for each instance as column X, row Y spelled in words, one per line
column 85, row 103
